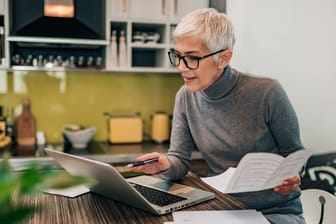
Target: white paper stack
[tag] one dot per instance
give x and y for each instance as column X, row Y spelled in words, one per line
column 249, row 216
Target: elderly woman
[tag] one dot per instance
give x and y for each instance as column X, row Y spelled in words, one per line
column 225, row 114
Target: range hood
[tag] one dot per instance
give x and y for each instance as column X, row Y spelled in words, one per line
column 59, row 8
column 31, row 19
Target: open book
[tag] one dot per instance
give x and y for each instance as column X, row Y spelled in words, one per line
column 259, row 171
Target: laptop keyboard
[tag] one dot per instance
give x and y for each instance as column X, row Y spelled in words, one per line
column 157, row 197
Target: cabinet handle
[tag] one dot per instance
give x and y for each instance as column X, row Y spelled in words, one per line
column 175, row 7
column 163, row 7
column 124, row 4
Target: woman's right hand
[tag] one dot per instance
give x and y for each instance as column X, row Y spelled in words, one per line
column 155, row 167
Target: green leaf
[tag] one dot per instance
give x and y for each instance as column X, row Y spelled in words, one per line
column 30, row 179
column 16, row 215
column 8, row 182
column 4, row 166
column 7, row 187
column 64, row 180
column 16, row 185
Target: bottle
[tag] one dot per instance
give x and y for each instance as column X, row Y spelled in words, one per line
column 99, row 62
column 40, row 142
column 2, row 125
column 113, row 49
column 10, row 123
column 89, row 62
column 26, row 126
column 2, row 45
column 122, row 49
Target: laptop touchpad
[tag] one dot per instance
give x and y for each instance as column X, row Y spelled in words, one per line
column 162, row 184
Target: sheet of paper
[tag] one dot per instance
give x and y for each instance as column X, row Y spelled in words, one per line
column 289, row 167
column 220, row 181
column 259, row 171
column 70, row 192
column 224, row 216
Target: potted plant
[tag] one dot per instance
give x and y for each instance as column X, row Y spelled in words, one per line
column 14, row 186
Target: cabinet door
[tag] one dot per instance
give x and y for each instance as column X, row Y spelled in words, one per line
column 178, row 8
column 119, row 8
column 148, row 9
column 2, row 7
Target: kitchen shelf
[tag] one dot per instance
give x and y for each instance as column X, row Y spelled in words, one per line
column 52, row 69
column 148, row 45
column 120, row 70
column 148, row 18
column 131, row 16
column 56, row 40
column 101, row 151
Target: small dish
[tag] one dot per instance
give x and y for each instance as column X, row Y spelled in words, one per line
column 78, row 136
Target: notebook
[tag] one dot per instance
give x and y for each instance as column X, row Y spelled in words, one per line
column 167, row 196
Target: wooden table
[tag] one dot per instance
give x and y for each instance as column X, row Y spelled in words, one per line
column 92, row 208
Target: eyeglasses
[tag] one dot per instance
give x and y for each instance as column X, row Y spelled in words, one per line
column 192, row 62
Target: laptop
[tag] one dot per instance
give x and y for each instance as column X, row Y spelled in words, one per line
column 144, row 192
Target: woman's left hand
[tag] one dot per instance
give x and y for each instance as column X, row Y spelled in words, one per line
column 289, row 185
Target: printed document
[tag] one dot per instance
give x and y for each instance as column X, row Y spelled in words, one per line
column 259, row 171
column 249, row 216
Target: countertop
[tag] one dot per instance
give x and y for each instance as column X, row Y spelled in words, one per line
column 93, row 208
column 101, row 151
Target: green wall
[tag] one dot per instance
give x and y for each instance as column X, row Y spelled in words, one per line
column 59, row 98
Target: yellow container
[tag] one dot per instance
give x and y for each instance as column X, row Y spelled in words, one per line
column 125, row 129
column 160, row 127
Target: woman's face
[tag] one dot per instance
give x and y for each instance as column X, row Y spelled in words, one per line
column 208, row 70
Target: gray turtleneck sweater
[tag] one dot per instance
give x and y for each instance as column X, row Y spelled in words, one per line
column 236, row 115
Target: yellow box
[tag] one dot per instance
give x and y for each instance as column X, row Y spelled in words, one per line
column 125, row 129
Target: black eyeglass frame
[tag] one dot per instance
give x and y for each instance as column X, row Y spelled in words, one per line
column 198, row 58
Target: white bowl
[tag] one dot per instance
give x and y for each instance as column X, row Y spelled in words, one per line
column 79, row 138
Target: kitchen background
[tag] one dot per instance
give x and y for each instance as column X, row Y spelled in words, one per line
column 46, row 59
column 292, row 41
column 59, row 98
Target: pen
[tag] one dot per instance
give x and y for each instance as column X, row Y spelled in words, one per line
column 141, row 163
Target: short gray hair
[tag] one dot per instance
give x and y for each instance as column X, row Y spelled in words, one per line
column 213, row 28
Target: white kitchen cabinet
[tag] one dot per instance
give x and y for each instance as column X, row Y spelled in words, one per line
column 148, row 9
column 2, row 7
column 118, row 8
column 178, row 8
column 162, row 9
column 146, row 19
